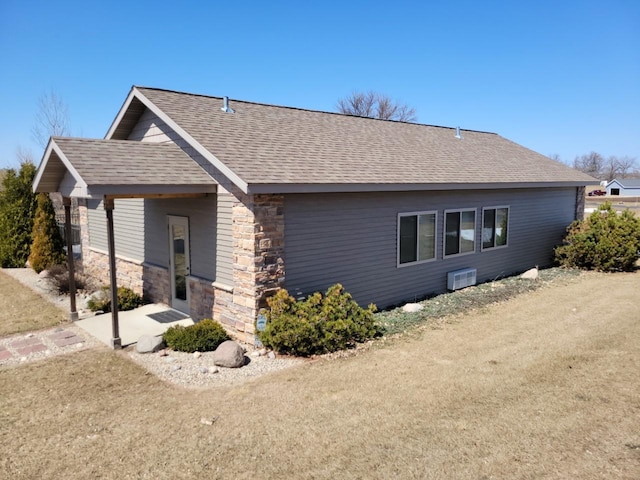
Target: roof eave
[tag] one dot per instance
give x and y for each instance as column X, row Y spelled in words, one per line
column 51, row 150
column 280, row 188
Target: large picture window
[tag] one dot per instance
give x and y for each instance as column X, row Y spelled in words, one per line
column 460, row 231
column 495, row 227
column 416, row 237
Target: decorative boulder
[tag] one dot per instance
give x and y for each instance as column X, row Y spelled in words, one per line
column 229, row 354
column 149, row 344
column 531, row 274
column 412, row 307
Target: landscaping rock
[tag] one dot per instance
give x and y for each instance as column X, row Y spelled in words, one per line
column 213, row 369
column 412, row 307
column 229, row 354
column 197, row 354
column 149, row 344
column 531, row 274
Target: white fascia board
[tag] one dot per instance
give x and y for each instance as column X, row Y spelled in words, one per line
column 226, row 171
column 72, row 170
column 121, row 114
column 53, row 147
column 43, row 165
column 281, row 188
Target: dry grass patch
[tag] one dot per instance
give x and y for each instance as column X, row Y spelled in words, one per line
column 536, row 387
column 23, row 310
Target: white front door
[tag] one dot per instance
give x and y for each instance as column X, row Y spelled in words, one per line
column 179, row 265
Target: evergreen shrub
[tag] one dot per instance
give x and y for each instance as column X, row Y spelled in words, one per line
column 204, row 336
column 47, row 243
column 17, row 210
column 319, row 324
column 604, row 241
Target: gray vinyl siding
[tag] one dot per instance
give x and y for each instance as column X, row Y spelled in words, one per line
column 150, row 128
column 201, row 213
column 224, row 245
column 351, row 239
column 128, row 227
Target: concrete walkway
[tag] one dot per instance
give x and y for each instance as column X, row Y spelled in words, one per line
column 153, row 319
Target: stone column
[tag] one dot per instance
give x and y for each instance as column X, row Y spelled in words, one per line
column 258, row 259
column 580, row 199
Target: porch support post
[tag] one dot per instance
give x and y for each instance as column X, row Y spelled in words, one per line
column 73, row 314
column 116, row 342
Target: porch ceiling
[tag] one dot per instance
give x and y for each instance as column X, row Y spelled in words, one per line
column 88, row 168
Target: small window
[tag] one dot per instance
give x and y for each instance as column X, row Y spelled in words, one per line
column 495, row 226
column 416, row 237
column 460, row 232
column 615, row 191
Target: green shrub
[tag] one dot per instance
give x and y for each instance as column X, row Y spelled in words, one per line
column 204, row 336
column 17, row 211
column 47, row 247
column 604, row 241
column 319, row 324
column 127, row 300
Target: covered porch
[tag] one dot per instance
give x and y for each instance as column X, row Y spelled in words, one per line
column 117, row 169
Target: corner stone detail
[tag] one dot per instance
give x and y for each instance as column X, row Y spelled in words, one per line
column 258, row 262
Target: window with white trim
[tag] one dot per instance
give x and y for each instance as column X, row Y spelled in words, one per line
column 459, row 231
column 495, row 227
column 416, row 237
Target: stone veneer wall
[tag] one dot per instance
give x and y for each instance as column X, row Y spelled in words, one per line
column 258, row 267
column 258, row 262
column 201, row 298
column 580, row 200
column 95, row 263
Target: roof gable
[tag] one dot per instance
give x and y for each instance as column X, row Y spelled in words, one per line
column 94, row 168
column 266, row 148
column 626, row 182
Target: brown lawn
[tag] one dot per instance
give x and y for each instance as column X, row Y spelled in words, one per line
column 543, row 386
column 21, row 310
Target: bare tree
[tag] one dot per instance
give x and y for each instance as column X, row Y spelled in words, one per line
column 591, row 164
column 625, row 166
column 376, row 105
column 606, row 169
column 24, row 155
column 52, row 118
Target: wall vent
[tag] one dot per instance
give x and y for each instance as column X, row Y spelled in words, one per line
column 461, row 278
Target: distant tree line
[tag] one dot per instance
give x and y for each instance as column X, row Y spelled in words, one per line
column 602, row 168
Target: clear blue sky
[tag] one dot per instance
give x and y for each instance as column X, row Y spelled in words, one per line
column 559, row 77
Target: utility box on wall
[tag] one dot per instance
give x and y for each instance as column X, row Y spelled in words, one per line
column 461, row 278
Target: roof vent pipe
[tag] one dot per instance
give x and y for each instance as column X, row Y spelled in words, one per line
column 458, row 136
column 225, row 106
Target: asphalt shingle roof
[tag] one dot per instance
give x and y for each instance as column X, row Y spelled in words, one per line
column 265, row 144
column 120, row 162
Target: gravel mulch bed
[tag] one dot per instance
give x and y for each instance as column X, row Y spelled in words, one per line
column 198, row 371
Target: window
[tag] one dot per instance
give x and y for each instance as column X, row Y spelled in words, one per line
column 615, row 191
column 416, row 237
column 460, row 231
column 495, row 225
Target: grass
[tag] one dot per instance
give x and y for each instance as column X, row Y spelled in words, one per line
column 545, row 385
column 21, row 310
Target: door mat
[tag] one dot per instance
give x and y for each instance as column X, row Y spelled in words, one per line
column 168, row 316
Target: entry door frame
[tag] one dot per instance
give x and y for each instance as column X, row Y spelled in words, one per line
column 179, row 263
